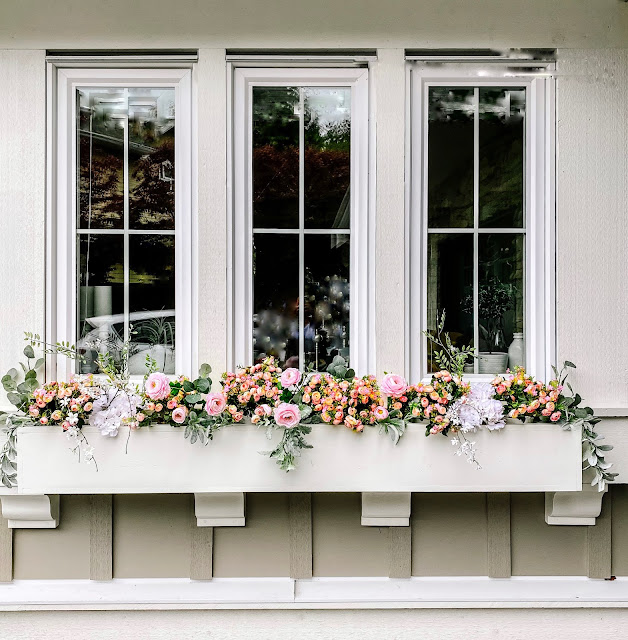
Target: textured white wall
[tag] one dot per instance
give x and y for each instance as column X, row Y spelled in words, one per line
column 592, row 221
column 403, row 624
column 302, row 23
column 22, row 201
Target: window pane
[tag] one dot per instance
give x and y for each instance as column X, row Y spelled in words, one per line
column 100, row 135
column 276, row 157
column 501, row 156
column 151, row 158
column 327, row 136
column 326, row 322
column 450, row 157
column 101, row 297
column 501, row 289
column 450, row 287
column 151, row 301
column 276, row 297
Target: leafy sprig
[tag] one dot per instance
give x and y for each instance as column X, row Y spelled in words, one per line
column 448, row 357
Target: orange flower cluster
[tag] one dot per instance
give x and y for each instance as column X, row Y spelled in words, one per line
column 349, row 402
column 252, row 386
column 431, row 401
column 529, row 398
column 64, row 403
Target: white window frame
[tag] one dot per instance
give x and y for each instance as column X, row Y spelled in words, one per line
column 61, row 272
column 240, row 240
column 539, row 215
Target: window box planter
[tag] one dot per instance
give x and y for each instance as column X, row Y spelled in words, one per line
column 530, row 457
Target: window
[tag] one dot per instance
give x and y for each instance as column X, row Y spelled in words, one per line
column 122, row 216
column 300, row 216
column 481, row 215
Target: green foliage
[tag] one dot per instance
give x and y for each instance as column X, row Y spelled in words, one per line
column 290, row 447
column 448, row 356
column 8, row 453
column 339, row 368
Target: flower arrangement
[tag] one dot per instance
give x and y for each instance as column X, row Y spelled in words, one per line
column 291, row 401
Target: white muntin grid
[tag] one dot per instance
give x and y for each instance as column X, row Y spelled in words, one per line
column 539, row 203
column 240, row 245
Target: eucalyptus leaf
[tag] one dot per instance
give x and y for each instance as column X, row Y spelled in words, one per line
column 15, row 399
column 29, row 352
column 204, row 371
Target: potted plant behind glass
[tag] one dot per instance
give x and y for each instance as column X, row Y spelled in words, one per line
column 494, row 299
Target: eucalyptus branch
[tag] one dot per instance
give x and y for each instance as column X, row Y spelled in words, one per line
column 449, row 357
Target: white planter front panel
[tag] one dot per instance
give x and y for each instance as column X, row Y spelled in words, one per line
column 533, row 457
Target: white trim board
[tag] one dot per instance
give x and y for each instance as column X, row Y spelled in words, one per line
column 317, row 593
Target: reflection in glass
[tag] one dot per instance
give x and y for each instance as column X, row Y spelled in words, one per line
column 449, row 283
column 501, row 289
column 101, row 298
column 151, row 158
column 326, row 310
column 101, row 125
column 276, row 297
column 450, row 157
column 501, row 156
column 276, row 157
column 327, row 171
column 151, row 301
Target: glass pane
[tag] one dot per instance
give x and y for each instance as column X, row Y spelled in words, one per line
column 450, row 157
column 501, row 289
column 450, row 287
column 151, row 158
column 276, row 297
column 327, row 169
column 151, row 301
column 501, row 156
column 100, row 149
column 276, row 157
column 100, row 298
column 326, row 323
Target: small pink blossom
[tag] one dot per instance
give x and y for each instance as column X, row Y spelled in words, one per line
column 287, row 415
column 179, row 415
column 290, row 377
column 215, row 404
column 394, row 385
column 266, row 408
column 157, row 386
column 381, row 413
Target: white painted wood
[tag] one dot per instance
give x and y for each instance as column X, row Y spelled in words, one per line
column 574, row 507
column 386, row 509
column 314, row 593
column 219, row 509
column 531, row 457
column 31, row 511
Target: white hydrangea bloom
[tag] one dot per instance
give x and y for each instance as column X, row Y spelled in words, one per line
column 113, row 408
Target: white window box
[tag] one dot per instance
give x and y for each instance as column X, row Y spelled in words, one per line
column 531, row 457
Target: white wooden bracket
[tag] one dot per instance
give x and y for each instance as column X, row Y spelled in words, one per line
column 386, row 509
column 31, row 512
column 219, row 509
column 574, row 507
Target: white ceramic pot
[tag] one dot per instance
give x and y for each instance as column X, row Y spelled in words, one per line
column 492, row 362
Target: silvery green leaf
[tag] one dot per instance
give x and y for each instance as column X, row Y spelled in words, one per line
column 604, row 465
column 592, row 459
column 394, row 433
column 269, row 432
column 596, row 479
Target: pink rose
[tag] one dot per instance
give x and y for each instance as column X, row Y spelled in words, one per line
column 179, row 415
column 215, row 404
column 157, row 386
column 290, row 377
column 394, row 385
column 266, row 409
column 287, row 415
